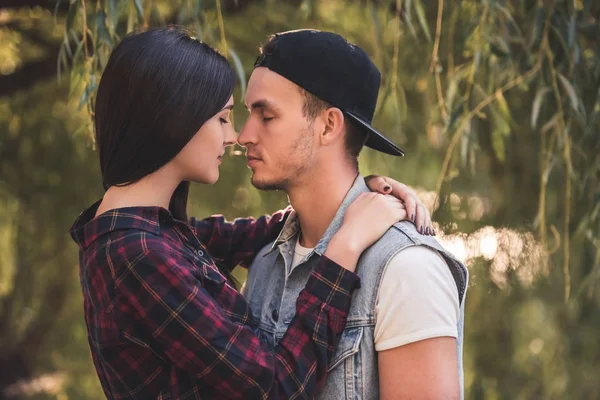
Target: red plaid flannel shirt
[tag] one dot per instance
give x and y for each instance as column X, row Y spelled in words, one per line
column 163, row 323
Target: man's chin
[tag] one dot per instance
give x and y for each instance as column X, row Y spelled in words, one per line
column 263, row 184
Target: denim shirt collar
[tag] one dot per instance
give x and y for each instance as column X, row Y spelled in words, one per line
column 292, row 225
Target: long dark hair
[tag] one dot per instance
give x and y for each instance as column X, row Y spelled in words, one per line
column 158, row 88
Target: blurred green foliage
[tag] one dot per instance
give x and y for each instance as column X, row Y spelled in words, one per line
column 495, row 101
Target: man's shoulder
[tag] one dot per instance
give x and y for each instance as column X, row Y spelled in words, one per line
column 417, row 261
column 401, row 235
column 402, row 244
column 409, row 230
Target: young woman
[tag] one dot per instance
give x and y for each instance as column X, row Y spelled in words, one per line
column 164, row 319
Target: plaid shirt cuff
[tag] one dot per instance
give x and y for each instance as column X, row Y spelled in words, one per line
column 332, row 284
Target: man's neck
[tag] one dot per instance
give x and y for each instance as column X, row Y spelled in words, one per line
column 317, row 200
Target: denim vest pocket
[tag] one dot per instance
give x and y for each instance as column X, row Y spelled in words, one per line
column 347, row 347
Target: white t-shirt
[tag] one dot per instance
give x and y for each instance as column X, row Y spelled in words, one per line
column 417, row 299
column 299, row 253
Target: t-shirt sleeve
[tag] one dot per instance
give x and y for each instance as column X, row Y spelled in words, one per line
column 417, row 300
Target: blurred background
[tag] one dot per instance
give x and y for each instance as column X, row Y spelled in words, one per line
column 496, row 103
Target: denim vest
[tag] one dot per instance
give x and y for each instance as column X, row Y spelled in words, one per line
column 271, row 290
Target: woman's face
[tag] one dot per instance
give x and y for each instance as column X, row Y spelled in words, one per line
column 199, row 160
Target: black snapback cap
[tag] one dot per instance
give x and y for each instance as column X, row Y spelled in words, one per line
column 336, row 71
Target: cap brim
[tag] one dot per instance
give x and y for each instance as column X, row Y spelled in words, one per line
column 376, row 140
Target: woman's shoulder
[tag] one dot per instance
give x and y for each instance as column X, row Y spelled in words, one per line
column 125, row 247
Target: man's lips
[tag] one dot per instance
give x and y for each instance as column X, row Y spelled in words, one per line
column 252, row 160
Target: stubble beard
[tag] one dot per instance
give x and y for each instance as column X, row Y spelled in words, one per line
column 293, row 169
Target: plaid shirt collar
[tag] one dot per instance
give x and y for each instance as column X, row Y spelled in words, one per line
column 86, row 229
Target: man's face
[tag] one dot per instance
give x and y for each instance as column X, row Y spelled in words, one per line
column 279, row 139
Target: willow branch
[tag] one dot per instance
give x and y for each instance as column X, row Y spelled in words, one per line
column 459, row 131
column 85, row 29
column 434, row 66
column 438, row 35
column 222, row 28
column 394, row 83
column 568, row 173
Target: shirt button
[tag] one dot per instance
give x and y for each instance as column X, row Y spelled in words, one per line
column 200, row 253
column 275, row 315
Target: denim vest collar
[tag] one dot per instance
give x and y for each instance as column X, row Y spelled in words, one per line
column 292, row 225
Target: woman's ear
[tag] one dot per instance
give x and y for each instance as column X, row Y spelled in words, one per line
column 333, row 127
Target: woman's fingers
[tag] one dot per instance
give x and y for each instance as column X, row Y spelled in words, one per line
column 378, row 184
column 415, row 210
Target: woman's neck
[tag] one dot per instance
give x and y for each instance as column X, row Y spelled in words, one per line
column 155, row 189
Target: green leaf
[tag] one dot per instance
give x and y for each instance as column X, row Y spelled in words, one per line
column 101, row 25
column 76, row 77
column 422, row 19
column 561, row 41
column 131, row 22
column 499, row 47
column 451, row 92
column 112, row 15
column 81, row 129
column 139, row 10
column 181, row 15
column 378, row 28
column 408, row 18
column 239, row 68
column 78, row 52
column 402, row 104
column 89, row 91
column 510, row 18
column 457, row 111
column 60, row 60
column 571, row 34
column 498, row 143
column 155, row 15
column 198, row 10
column 503, row 106
column 197, row 29
column 67, row 47
column 465, row 140
column 383, row 99
column 55, row 13
column 538, row 28
column 552, row 123
column 71, row 14
column 537, row 105
column 570, row 91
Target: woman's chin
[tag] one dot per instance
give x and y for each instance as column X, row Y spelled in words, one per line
column 207, row 179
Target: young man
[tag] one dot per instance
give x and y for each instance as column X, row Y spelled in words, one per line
column 311, row 98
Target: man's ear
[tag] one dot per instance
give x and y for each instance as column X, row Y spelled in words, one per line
column 334, row 126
